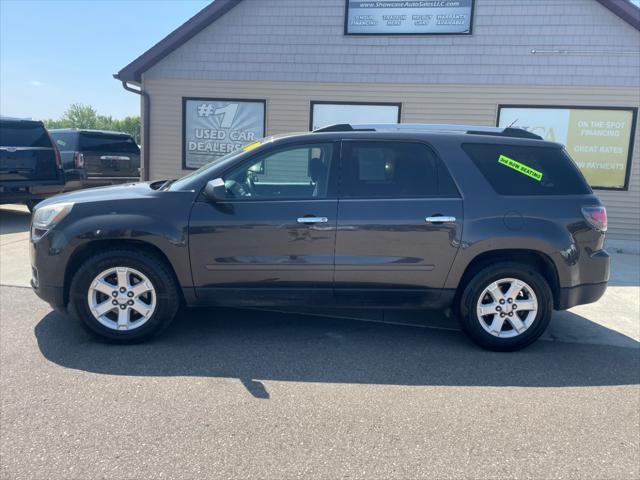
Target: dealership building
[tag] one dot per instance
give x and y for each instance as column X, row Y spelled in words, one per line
column 568, row 70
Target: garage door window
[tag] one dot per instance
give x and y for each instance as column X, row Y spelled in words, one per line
column 325, row 113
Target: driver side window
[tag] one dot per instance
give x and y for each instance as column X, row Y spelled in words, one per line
column 300, row 171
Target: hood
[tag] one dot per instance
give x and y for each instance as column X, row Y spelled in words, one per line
column 129, row 191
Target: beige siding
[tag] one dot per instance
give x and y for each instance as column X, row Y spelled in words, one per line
column 302, row 40
column 288, row 105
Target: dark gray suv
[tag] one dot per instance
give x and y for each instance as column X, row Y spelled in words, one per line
column 495, row 223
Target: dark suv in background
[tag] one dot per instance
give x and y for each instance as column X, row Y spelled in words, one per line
column 30, row 164
column 495, row 223
column 107, row 157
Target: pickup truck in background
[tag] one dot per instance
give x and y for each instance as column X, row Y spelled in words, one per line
column 30, row 164
column 108, row 157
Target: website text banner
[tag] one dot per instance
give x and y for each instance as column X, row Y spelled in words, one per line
column 391, row 17
column 214, row 128
column 599, row 140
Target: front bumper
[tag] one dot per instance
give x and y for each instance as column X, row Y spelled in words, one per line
column 54, row 296
column 48, row 270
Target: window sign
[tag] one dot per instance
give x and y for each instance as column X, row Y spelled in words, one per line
column 400, row 17
column 213, row 128
column 599, row 139
column 326, row 113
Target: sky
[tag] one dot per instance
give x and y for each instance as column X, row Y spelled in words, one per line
column 57, row 52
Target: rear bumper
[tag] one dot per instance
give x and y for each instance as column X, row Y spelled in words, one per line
column 586, row 277
column 580, row 294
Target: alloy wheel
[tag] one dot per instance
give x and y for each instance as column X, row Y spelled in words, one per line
column 507, row 308
column 122, row 298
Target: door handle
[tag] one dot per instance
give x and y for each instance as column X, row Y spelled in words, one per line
column 313, row 220
column 440, row 219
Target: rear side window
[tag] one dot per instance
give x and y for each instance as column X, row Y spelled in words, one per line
column 393, row 169
column 23, row 134
column 518, row 170
column 90, row 142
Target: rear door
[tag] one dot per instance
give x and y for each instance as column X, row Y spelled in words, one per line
column 110, row 156
column 27, row 155
column 399, row 224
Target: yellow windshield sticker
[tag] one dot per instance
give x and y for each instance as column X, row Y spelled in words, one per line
column 251, row 146
column 520, row 167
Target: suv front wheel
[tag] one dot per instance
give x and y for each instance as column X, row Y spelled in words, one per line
column 124, row 295
column 505, row 306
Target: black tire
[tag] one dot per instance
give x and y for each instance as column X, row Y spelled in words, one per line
column 152, row 266
column 468, row 315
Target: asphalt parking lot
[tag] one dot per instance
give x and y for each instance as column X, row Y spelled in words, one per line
column 349, row 394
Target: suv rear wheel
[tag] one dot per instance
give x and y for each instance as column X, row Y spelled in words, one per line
column 124, row 295
column 505, row 306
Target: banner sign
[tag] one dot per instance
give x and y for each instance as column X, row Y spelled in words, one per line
column 399, row 17
column 599, row 139
column 213, row 128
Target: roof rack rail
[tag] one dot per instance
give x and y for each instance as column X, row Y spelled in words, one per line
column 470, row 129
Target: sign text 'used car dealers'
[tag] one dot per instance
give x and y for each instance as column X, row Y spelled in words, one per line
column 215, row 127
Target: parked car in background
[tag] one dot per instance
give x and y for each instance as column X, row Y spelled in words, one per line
column 108, row 157
column 495, row 223
column 30, row 164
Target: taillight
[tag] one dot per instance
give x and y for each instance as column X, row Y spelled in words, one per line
column 78, row 160
column 56, row 151
column 58, row 157
column 596, row 217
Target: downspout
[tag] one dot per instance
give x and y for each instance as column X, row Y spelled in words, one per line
column 146, row 118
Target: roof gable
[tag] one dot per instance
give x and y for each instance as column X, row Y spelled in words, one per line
column 133, row 71
column 626, row 10
column 193, row 26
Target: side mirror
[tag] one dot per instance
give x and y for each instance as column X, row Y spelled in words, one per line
column 215, row 190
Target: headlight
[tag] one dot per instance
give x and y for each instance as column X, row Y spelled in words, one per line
column 47, row 217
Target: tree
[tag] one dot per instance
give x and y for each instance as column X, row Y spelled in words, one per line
column 81, row 116
column 85, row 116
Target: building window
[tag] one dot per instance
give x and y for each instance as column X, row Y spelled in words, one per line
column 330, row 113
column 599, row 139
column 212, row 128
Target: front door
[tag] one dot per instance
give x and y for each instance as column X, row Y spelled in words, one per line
column 272, row 241
column 399, row 224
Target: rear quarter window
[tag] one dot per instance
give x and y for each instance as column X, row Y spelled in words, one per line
column 90, row 142
column 23, row 134
column 65, row 140
column 526, row 170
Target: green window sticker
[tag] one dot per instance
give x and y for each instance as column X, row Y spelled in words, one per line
column 520, row 167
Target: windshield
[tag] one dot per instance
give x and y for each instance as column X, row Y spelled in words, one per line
column 186, row 182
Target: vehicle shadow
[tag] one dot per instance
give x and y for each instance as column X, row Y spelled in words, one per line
column 14, row 220
column 260, row 345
